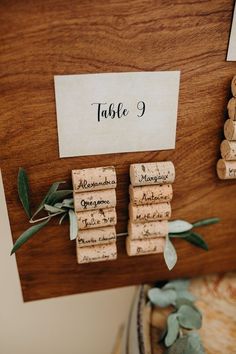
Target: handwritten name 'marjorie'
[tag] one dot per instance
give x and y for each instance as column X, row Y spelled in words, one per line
column 84, row 184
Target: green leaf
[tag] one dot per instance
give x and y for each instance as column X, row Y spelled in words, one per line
column 197, row 240
column 178, row 226
column 23, row 190
column 172, row 330
column 180, row 301
column 179, row 346
column 170, row 254
column 189, row 318
column 53, row 209
column 51, row 190
column 73, row 225
column 62, row 218
column 68, row 203
column 58, row 205
column 194, row 345
column 206, row 222
column 179, row 284
column 27, row 235
column 162, row 298
column 58, row 196
column 181, row 234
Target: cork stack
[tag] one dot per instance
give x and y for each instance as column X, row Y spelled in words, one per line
column 149, row 210
column 226, row 166
column 94, row 203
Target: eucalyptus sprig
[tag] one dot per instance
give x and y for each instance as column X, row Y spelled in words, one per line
column 55, row 203
column 179, row 335
column 183, row 229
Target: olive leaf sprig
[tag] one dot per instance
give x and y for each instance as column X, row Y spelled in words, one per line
column 183, row 229
column 179, row 335
column 55, row 203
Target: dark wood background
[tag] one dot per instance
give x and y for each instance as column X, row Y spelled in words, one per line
column 40, row 39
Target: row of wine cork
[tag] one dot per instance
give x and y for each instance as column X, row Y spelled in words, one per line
column 226, row 166
column 94, row 203
column 150, row 195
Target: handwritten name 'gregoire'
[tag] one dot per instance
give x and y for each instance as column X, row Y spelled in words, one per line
column 95, row 200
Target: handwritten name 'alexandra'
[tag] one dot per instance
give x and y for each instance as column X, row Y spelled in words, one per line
column 84, row 184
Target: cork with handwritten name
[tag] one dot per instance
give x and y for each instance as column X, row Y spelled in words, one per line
column 226, row 166
column 95, row 203
column 149, row 211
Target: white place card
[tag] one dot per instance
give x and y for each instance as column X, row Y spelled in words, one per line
column 232, row 42
column 117, row 112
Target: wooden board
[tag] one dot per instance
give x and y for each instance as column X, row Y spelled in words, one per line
column 41, row 39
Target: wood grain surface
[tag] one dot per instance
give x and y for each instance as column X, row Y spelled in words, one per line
column 40, row 39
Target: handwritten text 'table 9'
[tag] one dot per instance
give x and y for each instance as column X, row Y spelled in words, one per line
column 112, row 110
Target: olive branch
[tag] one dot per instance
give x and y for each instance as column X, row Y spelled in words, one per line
column 59, row 203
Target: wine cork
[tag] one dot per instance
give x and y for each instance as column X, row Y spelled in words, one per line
column 232, row 108
column 233, row 86
column 142, row 247
column 97, row 253
column 151, row 194
column 96, row 218
column 226, row 169
column 230, row 130
column 91, row 237
column 152, row 173
column 91, row 179
column 147, row 230
column 95, row 200
column 228, row 150
column 147, row 213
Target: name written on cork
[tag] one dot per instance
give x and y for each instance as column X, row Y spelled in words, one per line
column 97, row 200
column 99, row 178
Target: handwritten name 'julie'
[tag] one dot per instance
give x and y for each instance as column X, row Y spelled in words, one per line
column 112, row 110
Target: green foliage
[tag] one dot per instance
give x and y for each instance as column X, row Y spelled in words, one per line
column 183, row 229
column 179, row 346
column 189, row 318
column 53, row 204
column 179, row 226
column 23, row 190
column 170, row 254
column 27, row 235
column 172, row 329
column 184, row 317
column 197, row 240
column 206, row 222
column 73, row 225
column 161, row 297
column 51, row 190
column 179, row 284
